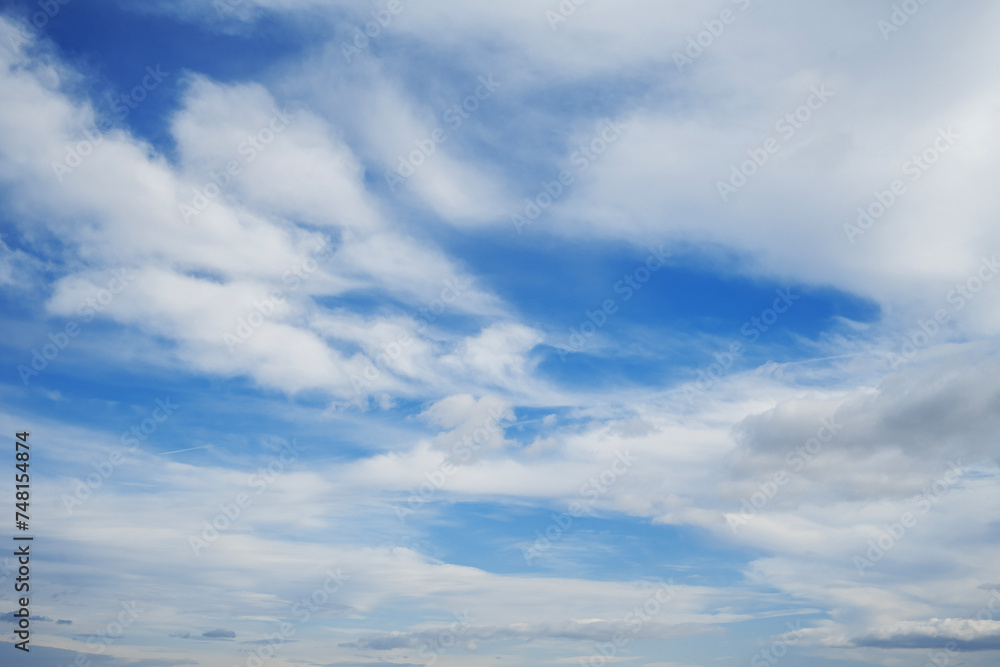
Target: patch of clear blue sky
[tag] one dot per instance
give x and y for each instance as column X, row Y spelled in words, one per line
column 608, row 546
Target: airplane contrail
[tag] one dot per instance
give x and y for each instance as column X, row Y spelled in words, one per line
column 184, row 450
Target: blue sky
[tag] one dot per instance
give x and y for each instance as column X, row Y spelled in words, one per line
column 514, row 333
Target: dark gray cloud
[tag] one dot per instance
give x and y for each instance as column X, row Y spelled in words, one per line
column 937, row 643
column 597, row 631
column 953, row 634
column 889, row 443
column 219, row 634
column 10, row 618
